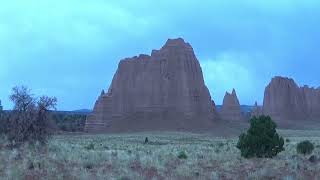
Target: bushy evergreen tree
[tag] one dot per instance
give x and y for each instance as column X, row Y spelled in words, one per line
column 261, row 139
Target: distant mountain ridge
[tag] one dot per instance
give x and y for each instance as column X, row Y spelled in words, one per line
column 79, row 111
column 243, row 108
column 83, row 110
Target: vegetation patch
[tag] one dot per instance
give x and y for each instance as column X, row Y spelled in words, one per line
column 68, row 157
column 261, row 140
column 305, row 147
column 89, row 146
column 182, row 155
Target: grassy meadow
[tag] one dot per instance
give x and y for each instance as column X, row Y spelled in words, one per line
column 166, row 156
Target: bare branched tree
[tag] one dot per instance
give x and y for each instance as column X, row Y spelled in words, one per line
column 30, row 119
column 22, row 98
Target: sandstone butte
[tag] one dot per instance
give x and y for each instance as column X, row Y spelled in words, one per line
column 231, row 107
column 164, row 91
column 285, row 100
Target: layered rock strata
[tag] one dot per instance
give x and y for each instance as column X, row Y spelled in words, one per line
column 285, row 100
column 164, row 91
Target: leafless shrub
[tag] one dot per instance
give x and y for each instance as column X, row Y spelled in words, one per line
column 30, row 118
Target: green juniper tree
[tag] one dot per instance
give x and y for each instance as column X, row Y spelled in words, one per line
column 261, row 139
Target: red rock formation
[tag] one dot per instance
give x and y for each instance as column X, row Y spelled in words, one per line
column 312, row 97
column 163, row 91
column 231, row 107
column 284, row 100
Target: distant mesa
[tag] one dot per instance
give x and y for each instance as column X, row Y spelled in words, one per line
column 231, row 109
column 285, row 100
column 164, row 91
column 83, row 111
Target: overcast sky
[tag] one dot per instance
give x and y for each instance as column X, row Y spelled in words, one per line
column 70, row 48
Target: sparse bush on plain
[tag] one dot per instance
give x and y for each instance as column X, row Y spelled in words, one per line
column 146, row 140
column 88, row 165
column 313, row 159
column 305, row 147
column 261, row 139
column 182, row 155
column 220, row 144
column 126, row 156
column 30, row 119
column 89, row 146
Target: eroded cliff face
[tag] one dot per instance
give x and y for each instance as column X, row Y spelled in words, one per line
column 312, row 97
column 285, row 100
column 231, row 107
column 163, row 91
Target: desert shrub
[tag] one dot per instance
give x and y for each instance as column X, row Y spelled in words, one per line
column 220, row 144
column 89, row 146
column 313, row 159
column 305, row 147
column 30, row 119
column 182, row 155
column 261, row 139
column 88, row 165
column 146, row 140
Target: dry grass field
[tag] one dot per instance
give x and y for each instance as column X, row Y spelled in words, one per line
column 166, row 156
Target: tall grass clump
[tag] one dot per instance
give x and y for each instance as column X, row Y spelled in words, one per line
column 305, row 147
